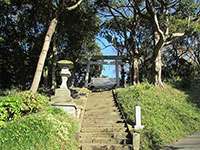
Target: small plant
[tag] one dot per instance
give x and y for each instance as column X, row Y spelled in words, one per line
column 32, row 102
column 84, row 91
column 18, row 104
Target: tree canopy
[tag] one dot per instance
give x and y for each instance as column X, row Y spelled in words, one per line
column 160, row 38
column 23, row 27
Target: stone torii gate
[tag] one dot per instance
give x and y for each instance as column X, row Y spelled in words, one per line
column 100, row 60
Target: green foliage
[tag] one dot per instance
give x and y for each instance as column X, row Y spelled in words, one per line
column 22, row 38
column 1, row 40
column 182, row 20
column 180, row 25
column 168, row 113
column 18, row 104
column 187, row 8
column 52, row 129
column 7, row 2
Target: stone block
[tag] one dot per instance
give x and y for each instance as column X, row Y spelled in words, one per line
column 71, row 109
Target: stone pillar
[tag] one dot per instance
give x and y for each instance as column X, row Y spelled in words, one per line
column 87, row 74
column 137, row 128
column 138, row 118
column 65, row 74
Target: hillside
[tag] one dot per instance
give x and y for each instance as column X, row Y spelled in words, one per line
column 168, row 114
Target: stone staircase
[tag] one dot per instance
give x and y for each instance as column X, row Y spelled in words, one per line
column 102, row 126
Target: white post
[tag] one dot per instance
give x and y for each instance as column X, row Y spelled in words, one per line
column 137, row 128
column 138, row 118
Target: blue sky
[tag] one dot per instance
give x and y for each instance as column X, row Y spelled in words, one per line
column 108, row 70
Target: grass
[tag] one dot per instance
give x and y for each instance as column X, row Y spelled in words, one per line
column 51, row 129
column 168, row 114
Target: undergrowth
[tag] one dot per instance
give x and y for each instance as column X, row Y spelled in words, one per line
column 18, row 104
column 51, row 129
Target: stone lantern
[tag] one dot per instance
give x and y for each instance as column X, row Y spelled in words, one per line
column 62, row 98
column 65, row 74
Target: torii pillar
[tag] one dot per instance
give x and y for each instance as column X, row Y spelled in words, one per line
column 117, row 72
column 87, row 74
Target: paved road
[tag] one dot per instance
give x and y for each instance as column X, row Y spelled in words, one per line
column 189, row 143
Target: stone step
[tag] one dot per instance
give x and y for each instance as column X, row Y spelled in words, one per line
column 99, row 125
column 97, row 117
column 101, row 116
column 110, row 121
column 103, row 129
column 98, row 140
column 102, row 113
column 102, row 110
column 100, row 122
column 103, row 134
column 100, row 105
column 94, row 146
column 60, row 91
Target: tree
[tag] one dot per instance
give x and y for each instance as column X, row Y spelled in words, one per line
column 23, row 28
column 165, row 20
column 120, row 29
column 158, row 13
column 49, row 34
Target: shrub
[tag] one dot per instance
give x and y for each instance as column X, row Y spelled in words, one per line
column 84, row 91
column 167, row 113
column 18, row 104
column 77, row 92
column 51, row 129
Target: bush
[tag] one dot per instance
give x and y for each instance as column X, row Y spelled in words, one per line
column 167, row 113
column 51, row 129
column 84, row 91
column 18, row 104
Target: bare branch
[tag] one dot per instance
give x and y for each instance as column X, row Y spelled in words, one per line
column 139, row 11
column 174, row 35
column 116, row 10
column 74, row 6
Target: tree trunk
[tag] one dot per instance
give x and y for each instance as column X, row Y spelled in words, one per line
column 158, row 69
column 135, row 66
column 135, row 60
column 54, row 59
column 134, row 76
column 122, row 76
column 45, row 77
column 159, row 43
column 43, row 54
